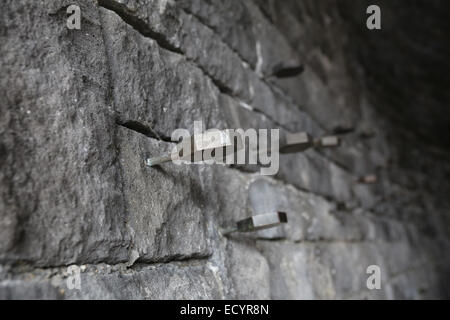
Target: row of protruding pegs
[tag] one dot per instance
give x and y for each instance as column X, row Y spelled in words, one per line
column 203, row 146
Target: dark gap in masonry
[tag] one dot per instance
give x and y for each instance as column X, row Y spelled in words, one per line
column 143, row 129
column 138, row 24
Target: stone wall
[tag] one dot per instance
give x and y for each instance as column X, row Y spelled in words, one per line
column 81, row 109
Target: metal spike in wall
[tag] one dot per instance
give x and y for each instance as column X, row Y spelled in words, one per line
column 256, row 223
column 301, row 141
column 297, row 142
column 368, row 179
column 327, row 142
column 287, row 69
column 201, row 147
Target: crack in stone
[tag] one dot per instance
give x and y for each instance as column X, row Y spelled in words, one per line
column 202, row 21
column 161, row 40
column 145, row 31
column 138, row 24
column 18, row 271
column 144, row 129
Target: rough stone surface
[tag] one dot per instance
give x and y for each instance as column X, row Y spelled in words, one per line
column 174, row 227
column 249, row 271
column 81, row 110
column 60, row 191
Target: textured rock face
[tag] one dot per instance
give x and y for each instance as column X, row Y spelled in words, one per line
column 80, row 110
column 61, row 197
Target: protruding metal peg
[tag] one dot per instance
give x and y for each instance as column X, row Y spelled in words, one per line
column 157, row 160
column 287, row 69
column 258, row 222
column 327, row 142
column 368, row 179
column 202, row 147
column 301, row 141
column 296, row 142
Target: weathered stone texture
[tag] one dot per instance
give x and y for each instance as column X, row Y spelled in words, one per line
column 81, row 110
column 60, row 192
column 165, row 207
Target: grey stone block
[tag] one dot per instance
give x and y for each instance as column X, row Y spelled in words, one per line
column 151, row 88
column 238, row 35
column 28, row 290
column 198, row 43
column 188, row 280
column 249, row 271
column 166, row 215
column 159, row 282
column 60, row 193
column 322, row 270
column 243, row 27
column 310, row 218
column 295, row 274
